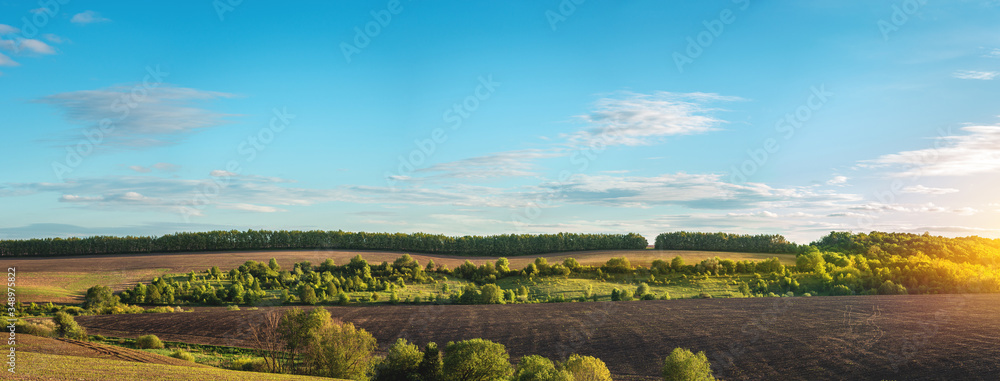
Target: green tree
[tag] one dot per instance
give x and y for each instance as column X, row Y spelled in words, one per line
column 430, row 368
column 149, row 342
column 308, row 295
column 587, row 368
column 476, row 360
column 617, row 265
column 491, row 294
column 503, row 266
column 67, row 327
column 683, row 365
column 642, row 290
column 401, row 362
column 99, row 298
column 538, row 368
column 273, row 265
column 677, row 264
column 341, row 351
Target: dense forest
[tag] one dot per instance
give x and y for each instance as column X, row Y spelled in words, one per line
column 743, row 243
column 495, row 245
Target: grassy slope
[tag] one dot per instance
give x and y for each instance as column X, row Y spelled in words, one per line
column 38, row 366
column 65, row 279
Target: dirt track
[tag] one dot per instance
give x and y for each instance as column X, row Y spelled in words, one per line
column 861, row 337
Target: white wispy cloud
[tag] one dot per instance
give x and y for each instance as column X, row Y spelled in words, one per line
column 697, row 191
column 876, row 207
column 837, row 180
column 641, row 119
column 976, row 74
column 7, row 61
column 28, row 45
column 920, row 189
column 7, row 29
column 88, row 17
column 976, row 152
column 519, row 163
column 164, row 116
column 251, row 208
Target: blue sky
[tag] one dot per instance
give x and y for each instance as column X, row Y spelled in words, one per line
column 796, row 118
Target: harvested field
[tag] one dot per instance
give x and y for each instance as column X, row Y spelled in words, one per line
column 912, row 337
column 67, row 347
column 66, row 279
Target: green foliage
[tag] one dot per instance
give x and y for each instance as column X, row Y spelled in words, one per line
column 99, row 298
column 476, row 360
column 497, row 245
column 677, row 264
column 619, row 265
column 66, row 326
column 587, row 368
column 538, row 368
column 743, row 243
column 683, row 365
column 149, row 342
column 179, row 354
column 889, row 288
column 841, row 290
column 431, row 366
column 308, row 295
column 402, row 362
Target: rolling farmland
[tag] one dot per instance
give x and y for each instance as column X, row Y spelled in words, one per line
column 854, row 337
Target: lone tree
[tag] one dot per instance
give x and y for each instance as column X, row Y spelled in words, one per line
column 476, row 360
column 683, row 365
column 268, row 341
column 99, row 298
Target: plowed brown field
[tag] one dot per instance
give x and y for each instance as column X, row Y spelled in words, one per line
column 915, row 337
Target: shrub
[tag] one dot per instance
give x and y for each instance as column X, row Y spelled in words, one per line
column 400, row 363
column 66, row 326
column 248, row 364
column 683, row 365
column 231, row 307
column 476, row 359
column 44, row 328
column 587, row 368
column 149, row 342
column 179, row 354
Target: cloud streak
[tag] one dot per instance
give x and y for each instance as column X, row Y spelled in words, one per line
column 164, row 115
column 976, row 152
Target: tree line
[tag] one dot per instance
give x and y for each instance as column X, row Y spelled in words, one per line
column 742, row 243
column 494, row 245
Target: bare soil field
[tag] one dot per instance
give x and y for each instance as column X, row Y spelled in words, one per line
column 66, row 279
column 67, row 347
column 910, row 337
